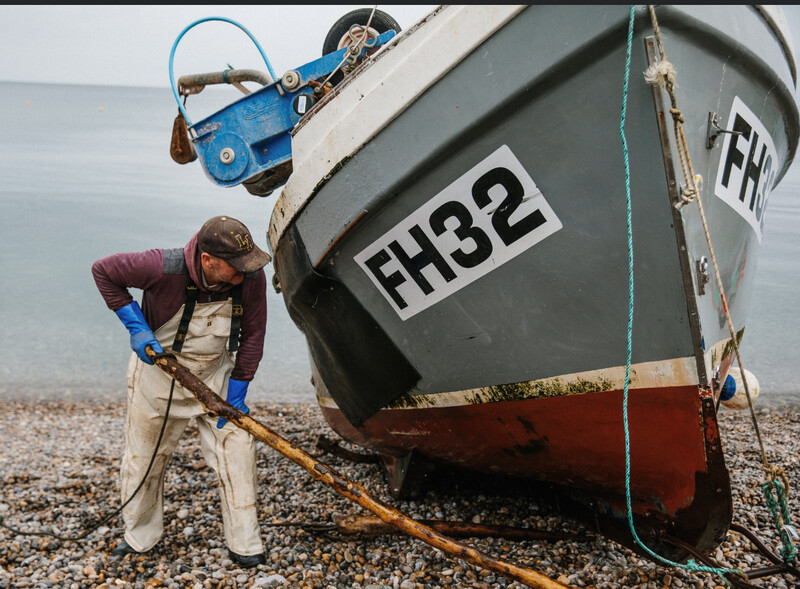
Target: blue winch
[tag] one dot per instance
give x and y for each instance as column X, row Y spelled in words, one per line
column 249, row 141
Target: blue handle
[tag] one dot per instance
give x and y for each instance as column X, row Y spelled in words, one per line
column 175, row 46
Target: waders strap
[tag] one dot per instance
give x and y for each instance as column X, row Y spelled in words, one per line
column 188, row 310
column 236, row 318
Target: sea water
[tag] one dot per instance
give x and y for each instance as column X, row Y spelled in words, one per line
column 85, row 172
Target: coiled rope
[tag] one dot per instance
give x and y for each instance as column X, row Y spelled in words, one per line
column 690, row 565
column 775, row 491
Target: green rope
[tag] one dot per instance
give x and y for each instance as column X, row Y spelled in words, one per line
column 690, row 565
column 780, row 515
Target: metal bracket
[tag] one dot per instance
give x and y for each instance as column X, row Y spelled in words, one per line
column 713, row 130
column 703, row 277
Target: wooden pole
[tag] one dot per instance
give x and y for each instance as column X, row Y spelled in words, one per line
column 217, row 406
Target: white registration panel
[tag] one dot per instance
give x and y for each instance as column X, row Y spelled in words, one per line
column 747, row 166
column 488, row 216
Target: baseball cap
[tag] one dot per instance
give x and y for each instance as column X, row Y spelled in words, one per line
column 228, row 239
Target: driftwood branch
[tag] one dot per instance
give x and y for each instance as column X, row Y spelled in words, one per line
column 326, row 475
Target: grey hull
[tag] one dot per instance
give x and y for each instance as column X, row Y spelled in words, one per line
column 554, row 99
column 462, row 276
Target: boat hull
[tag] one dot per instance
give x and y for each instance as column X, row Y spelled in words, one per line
column 461, row 271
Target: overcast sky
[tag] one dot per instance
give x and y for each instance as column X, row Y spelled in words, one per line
column 130, row 45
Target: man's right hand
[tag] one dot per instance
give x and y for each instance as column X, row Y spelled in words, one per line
column 141, row 335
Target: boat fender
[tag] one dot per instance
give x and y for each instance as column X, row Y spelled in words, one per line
column 733, row 394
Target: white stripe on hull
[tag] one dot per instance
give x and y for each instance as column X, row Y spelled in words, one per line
column 676, row 372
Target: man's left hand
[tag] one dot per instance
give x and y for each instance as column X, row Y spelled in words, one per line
column 237, row 391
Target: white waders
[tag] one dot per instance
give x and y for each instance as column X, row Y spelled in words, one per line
column 229, row 451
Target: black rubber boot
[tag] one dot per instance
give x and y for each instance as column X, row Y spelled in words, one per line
column 247, row 562
column 123, row 548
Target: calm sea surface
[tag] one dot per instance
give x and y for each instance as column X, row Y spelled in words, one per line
column 85, row 172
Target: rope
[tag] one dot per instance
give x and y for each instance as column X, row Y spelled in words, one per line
column 690, row 565
column 775, row 494
column 691, row 194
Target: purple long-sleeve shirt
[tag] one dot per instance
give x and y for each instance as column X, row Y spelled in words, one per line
column 165, row 293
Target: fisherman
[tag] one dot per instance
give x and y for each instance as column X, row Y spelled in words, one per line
column 206, row 304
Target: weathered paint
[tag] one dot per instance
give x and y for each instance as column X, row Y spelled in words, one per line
column 574, row 440
column 729, row 345
column 719, row 358
column 581, row 433
column 674, row 372
column 539, row 389
column 720, row 351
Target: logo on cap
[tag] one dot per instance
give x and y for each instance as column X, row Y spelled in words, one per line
column 245, row 241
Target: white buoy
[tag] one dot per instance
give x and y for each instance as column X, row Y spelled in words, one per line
column 733, row 394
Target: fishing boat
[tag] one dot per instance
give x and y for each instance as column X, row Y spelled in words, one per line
column 511, row 251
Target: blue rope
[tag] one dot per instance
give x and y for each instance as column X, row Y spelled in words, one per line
column 175, row 46
column 690, row 565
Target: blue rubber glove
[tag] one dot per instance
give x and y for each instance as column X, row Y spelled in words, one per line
column 237, row 391
column 141, row 334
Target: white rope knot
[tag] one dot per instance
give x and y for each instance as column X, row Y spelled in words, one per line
column 774, row 472
column 659, row 72
column 677, row 115
column 687, row 195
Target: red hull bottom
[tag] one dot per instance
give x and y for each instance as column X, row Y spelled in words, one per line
column 679, row 483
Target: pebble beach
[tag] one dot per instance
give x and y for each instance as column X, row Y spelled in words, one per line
column 59, row 465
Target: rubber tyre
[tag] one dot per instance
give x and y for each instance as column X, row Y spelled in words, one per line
column 381, row 22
